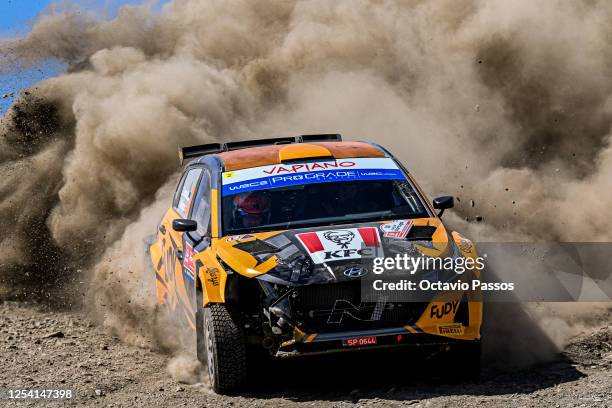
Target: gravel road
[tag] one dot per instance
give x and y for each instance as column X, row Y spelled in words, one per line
column 42, row 348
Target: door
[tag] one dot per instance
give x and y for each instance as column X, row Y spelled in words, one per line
column 172, row 243
column 197, row 244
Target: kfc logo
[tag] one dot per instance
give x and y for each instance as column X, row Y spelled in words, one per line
column 342, row 238
column 341, row 245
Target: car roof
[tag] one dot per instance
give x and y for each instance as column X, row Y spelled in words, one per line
column 271, row 154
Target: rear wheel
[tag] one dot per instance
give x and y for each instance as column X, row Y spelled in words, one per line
column 221, row 346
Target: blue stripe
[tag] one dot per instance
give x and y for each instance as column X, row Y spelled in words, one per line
column 312, row 177
column 188, row 274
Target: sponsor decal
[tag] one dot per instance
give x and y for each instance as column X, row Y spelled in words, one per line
column 342, row 238
column 169, row 267
column 455, row 329
column 355, row 272
column 465, row 245
column 188, row 255
column 439, row 311
column 359, row 341
column 363, row 312
column 299, row 168
column 213, row 276
column 233, row 238
column 396, row 229
column 341, row 244
column 264, row 177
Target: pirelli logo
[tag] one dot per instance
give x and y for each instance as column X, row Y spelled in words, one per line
column 456, row 329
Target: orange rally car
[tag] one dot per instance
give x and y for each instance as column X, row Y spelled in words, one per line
column 269, row 245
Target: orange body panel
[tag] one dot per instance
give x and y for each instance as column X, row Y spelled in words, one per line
column 267, row 155
column 299, row 151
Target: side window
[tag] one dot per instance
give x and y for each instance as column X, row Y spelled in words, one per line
column 202, row 204
column 188, row 191
column 177, row 193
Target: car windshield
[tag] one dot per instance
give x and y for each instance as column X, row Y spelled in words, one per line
column 340, row 192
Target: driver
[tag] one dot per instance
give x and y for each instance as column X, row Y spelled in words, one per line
column 251, row 209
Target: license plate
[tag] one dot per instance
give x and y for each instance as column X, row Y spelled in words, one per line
column 359, row 341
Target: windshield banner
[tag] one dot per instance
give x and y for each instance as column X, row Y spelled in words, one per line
column 282, row 175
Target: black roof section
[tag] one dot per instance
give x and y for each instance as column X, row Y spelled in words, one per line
column 190, row 152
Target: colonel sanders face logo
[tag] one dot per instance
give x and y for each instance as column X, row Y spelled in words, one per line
column 341, row 245
column 342, row 238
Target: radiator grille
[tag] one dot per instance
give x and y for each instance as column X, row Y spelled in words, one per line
column 338, row 307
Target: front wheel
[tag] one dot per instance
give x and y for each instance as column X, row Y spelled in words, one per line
column 222, row 347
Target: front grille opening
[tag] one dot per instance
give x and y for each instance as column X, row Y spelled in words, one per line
column 338, row 307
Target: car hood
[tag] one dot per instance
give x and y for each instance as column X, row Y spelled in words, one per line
column 330, row 253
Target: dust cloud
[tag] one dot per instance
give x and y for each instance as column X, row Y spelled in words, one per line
column 185, row 369
column 504, row 103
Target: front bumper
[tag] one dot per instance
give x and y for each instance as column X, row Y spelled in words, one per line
column 332, row 317
column 385, row 338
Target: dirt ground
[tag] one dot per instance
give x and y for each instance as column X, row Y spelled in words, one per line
column 41, row 348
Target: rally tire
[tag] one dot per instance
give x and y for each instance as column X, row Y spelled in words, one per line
column 225, row 349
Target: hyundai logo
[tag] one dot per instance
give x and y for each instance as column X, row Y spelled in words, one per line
column 355, row 272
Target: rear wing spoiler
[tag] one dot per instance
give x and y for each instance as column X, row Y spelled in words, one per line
column 190, row 152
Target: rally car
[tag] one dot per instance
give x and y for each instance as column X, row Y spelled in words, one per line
column 267, row 244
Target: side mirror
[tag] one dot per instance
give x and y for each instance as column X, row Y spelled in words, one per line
column 442, row 203
column 184, row 225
